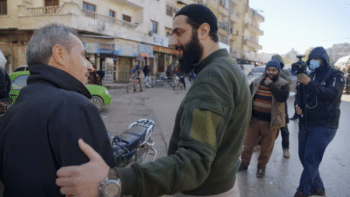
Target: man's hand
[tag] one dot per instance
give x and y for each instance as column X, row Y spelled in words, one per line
column 298, row 110
column 268, row 81
column 83, row 180
column 304, row 79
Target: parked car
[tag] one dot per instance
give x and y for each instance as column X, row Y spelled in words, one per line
column 100, row 95
column 255, row 73
column 21, row 68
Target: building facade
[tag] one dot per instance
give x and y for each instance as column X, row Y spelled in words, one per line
column 118, row 33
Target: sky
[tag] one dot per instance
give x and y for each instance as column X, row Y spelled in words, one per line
column 301, row 24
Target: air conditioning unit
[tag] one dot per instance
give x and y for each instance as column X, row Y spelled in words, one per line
column 200, row 1
column 176, row 10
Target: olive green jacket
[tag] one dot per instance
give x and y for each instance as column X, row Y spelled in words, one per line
column 206, row 143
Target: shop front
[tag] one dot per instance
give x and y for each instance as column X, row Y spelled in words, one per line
column 102, row 57
column 163, row 55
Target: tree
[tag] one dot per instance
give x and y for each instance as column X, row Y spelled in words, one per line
column 307, row 53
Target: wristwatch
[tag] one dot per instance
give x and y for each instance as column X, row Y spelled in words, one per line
column 111, row 186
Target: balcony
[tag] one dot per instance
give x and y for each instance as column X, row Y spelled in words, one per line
column 108, row 19
column 251, row 44
column 41, row 11
column 254, row 28
column 137, row 4
column 73, row 16
column 186, row 2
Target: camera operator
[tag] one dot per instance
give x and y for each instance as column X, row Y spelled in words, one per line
column 323, row 94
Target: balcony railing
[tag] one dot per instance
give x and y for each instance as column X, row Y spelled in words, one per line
column 108, row 19
column 48, row 10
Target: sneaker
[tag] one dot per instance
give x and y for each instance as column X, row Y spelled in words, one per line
column 300, row 194
column 286, row 153
column 257, row 148
column 260, row 173
column 243, row 167
column 318, row 192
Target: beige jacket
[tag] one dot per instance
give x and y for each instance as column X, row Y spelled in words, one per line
column 279, row 88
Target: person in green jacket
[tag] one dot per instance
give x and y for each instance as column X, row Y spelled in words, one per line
column 204, row 149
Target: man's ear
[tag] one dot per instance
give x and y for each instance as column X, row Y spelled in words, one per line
column 60, row 57
column 203, row 31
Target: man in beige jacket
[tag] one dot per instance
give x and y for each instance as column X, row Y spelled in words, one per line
column 269, row 94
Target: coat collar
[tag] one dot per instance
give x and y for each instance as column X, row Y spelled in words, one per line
column 200, row 65
column 57, row 77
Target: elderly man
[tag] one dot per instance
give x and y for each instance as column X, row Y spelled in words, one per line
column 269, row 93
column 39, row 132
column 208, row 133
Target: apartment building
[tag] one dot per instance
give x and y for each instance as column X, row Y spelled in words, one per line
column 252, row 32
column 116, row 33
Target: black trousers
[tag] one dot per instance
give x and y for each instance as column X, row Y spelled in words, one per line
column 285, row 137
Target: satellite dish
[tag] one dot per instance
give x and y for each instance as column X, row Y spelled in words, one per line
column 150, row 33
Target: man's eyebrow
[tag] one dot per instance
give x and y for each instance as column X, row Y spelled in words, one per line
column 177, row 30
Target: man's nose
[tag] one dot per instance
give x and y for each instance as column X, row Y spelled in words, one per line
column 89, row 67
column 173, row 42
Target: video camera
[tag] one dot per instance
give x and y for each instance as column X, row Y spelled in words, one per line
column 300, row 66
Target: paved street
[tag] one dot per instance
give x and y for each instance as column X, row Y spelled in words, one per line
column 282, row 175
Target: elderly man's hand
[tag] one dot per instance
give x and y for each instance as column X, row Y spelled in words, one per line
column 304, row 79
column 83, row 180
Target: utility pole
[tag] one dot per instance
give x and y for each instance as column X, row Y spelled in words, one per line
column 229, row 23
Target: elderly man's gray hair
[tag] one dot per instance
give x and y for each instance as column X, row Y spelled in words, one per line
column 40, row 46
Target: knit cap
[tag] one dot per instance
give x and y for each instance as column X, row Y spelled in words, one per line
column 200, row 14
column 274, row 63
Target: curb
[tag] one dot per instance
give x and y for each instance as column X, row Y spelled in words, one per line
column 115, row 86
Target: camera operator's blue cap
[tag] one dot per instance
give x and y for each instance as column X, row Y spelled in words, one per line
column 274, row 63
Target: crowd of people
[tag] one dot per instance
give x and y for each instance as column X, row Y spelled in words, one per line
column 65, row 145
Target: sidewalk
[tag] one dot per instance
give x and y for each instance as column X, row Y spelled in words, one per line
column 115, row 86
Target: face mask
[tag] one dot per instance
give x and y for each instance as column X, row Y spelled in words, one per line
column 313, row 65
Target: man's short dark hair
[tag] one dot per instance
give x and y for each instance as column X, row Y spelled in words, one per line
column 40, row 46
column 213, row 35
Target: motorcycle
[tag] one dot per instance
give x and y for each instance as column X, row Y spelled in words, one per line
column 134, row 144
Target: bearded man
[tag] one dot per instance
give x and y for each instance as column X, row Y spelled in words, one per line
column 203, row 154
column 269, row 93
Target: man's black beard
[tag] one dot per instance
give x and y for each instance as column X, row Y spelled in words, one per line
column 274, row 77
column 191, row 54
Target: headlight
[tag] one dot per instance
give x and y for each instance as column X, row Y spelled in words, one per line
column 106, row 91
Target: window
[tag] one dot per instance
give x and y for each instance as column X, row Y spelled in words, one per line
column 3, row 7
column 112, row 13
column 88, row 6
column 169, row 10
column 19, row 82
column 237, row 14
column 126, row 18
column 237, row 33
column 154, row 26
